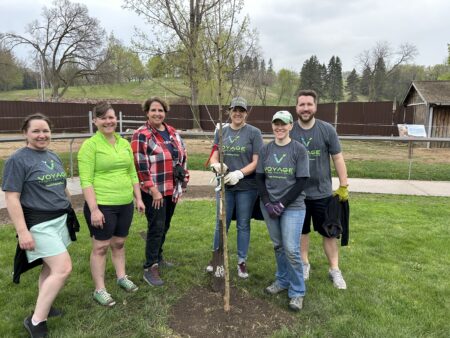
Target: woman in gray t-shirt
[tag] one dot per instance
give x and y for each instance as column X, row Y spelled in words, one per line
column 281, row 174
column 241, row 144
column 34, row 182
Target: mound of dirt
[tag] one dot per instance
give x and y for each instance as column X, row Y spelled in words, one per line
column 200, row 314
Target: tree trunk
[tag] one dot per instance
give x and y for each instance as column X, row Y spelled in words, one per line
column 194, row 103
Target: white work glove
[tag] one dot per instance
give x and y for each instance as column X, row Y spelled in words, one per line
column 233, row 177
column 215, row 167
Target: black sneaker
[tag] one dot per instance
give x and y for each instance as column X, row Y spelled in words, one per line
column 54, row 312
column 37, row 331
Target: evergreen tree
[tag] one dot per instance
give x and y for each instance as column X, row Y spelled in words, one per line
column 311, row 75
column 353, row 86
column 379, row 80
column 365, row 82
column 323, row 92
column 270, row 67
column 334, row 83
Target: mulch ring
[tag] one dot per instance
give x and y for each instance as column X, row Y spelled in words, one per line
column 200, row 313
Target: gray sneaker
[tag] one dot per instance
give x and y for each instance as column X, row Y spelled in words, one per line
column 296, row 303
column 152, row 277
column 306, row 270
column 274, row 288
column 338, row 280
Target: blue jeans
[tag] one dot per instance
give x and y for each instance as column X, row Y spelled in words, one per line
column 285, row 232
column 243, row 201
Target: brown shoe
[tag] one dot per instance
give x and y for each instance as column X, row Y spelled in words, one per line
column 152, row 277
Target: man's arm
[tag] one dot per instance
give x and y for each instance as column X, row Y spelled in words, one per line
column 341, row 169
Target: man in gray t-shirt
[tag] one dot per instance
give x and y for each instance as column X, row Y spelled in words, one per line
column 321, row 141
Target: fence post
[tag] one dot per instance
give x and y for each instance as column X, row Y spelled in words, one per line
column 120, row 122
column 71, row 157
column 336, row 112
column 91, row 127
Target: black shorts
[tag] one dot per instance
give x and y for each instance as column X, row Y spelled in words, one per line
column 315, row 211
column 117, row 221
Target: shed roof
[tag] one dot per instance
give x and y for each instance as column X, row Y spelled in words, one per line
column 432, row 92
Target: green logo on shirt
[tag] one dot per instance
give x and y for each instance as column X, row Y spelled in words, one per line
column 50, row 166
column 306, row 142
column 233, row 139
column 278, row 160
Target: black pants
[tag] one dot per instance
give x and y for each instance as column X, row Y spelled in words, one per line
column 158, row 223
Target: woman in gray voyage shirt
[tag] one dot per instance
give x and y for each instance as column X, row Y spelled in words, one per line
column 281, row 174
column 34, row 182
column 241, row 144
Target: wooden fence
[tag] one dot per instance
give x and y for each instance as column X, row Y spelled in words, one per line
column 349, row 118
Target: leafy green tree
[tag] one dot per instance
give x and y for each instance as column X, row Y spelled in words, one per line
column 156, row 66
column 185, row 24
column 287, row 79
column 11, row 76
column 353, row 85
column 448, row 59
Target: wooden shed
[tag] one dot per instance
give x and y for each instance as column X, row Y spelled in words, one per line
column 431, row 103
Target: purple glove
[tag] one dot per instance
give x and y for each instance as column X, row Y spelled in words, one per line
column 278, row 207
column 274, row 209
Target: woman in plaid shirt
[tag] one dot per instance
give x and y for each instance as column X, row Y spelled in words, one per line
column 161, row 165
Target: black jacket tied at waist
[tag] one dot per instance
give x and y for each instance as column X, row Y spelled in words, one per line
column 33, row 217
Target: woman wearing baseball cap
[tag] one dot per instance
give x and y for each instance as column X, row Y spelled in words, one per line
column 281, row 174
column 241, row 144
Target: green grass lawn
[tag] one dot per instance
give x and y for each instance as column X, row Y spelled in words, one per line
column 395, row 266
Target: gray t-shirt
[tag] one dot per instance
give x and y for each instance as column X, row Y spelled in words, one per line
column 39, row 177
column 281, row 166
column 321, row 141
column 239, row 146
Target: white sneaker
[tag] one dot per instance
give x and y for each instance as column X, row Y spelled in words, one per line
column 242, row 270
column 306, row 270
column 296, row 304
column 274, row 288
column 338, row 280
column 209, row 268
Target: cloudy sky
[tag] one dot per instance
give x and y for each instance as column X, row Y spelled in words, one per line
column 290, row 31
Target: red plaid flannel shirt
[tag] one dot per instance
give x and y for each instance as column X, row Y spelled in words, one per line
column 154, row 163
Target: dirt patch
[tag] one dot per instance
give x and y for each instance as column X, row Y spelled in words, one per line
column 199, row 313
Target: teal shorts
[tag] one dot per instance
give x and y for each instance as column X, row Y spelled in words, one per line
column 51, row 238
